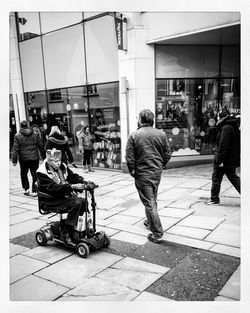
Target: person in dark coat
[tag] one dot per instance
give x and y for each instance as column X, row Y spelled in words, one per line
column 147, row 154
column 56, row 179
column 58, row 141
column 226, row 154
column 26, row 147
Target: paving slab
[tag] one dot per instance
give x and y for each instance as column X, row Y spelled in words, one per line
column 223, row 249
column 16, row 210
column 25, row 227
column 21, row 266
column 125, row 191
column 148, row 296
column 107, row 202
column 130, row 220
column 220, row 298
column 140, row 230
column 200, row 193
column 134, row 274
column 232, row 288
column 197, row 233
column 173, row 212
column 22, row 217
column 203, row 222
column 137, row 211
column 184, row 203
column 49, row 254
column 16, row 249
column 128, row 237
column 201, row 244
column 225, row 234
column 73, row 270
column 175, row 193
column 231, row 214
column 97, row 289
column 194, row 183
column 32, row 288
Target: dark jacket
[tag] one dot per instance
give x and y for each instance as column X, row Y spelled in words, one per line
column 60, row 142
column 147, row 152
column 26, row 146
column 47, row 185
column 227, row 146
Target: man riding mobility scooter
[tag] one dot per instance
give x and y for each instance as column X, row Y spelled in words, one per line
column 57, row 193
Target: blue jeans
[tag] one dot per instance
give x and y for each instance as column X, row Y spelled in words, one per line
column 217, row 177
column 148, row 189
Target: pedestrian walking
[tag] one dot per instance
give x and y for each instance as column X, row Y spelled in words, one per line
column 26, row 147
column 86, row 141
column 226, row 154
column 147, row 154
column 60, row 142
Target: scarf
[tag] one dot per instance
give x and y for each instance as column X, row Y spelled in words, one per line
column 57, row 176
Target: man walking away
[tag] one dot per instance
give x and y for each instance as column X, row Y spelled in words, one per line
column 26, row 148
column 226, row 154
column 147, row 154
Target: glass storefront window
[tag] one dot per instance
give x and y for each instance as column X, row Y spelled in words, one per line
column 105, row 125
column 36, row 105
column 51, row 21
column 186, row 109
column 187, row 61
column 28, row 24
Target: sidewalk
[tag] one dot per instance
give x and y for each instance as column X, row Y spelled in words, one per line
column 199, row 259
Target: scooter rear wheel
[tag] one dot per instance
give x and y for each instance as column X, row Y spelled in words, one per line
column 82, row 250
column 41, row 238
column 106, row 241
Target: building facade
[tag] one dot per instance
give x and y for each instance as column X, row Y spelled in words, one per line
column 100, row 69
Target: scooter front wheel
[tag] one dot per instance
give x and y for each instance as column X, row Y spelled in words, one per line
column 41, row 238
column 82, row 250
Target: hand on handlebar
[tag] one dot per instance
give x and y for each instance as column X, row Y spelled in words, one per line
column 78, row 186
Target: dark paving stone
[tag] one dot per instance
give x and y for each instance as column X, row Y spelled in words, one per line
column 198, row 277
column 27, row 240
column 122, row 248
column 166, row 254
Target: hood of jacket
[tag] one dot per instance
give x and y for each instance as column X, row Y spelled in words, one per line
column 58, row 139
column 26, row 131
column 231, row 120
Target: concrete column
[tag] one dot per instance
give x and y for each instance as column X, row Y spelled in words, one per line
column 137, row 66
column 15, row 74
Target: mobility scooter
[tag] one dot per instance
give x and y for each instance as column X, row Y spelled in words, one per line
column 84, row 236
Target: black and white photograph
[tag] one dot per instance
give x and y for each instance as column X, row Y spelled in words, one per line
column 125, row 158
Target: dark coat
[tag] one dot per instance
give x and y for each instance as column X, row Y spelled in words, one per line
column 147, row 152
column 47, row 185
column 26, row 146
column 60, row 142
column 227, row 146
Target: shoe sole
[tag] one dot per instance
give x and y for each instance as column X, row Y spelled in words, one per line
column 155, row 240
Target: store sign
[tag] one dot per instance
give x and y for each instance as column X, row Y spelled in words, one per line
column 119, row 33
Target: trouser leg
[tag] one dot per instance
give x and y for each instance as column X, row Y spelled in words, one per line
column 233, row 178
column 217, row 176
column 75, row 207
column 148, row 194
column 24, row 168
column 33, row 168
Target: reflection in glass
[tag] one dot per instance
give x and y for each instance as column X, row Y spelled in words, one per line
column 187, row 61
column 186, row 109
column 28, row 24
